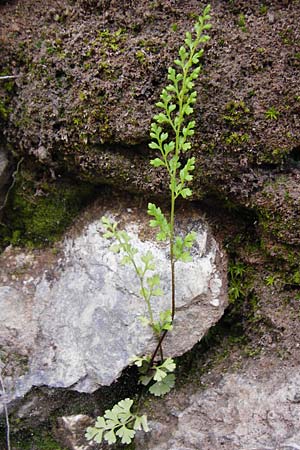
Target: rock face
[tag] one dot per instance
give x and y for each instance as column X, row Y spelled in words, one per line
column 71, row 430
column 3, row 168
column 91, row 73
column 79, row 324
column 4, row 173
column 249, row 411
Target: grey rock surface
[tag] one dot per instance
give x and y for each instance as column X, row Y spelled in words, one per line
column 78, row 320
column 70, row 432
column 4, row 174
column 258, row 409
column 4, row 166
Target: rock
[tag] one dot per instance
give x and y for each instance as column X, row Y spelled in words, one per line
column 246, row 410
column 4, row 175
column 90, row 90
column 70, row 432
column 96, row 102
column 4, row 166
column 78, row 319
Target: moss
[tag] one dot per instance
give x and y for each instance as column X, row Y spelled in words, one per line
column 6, row 92
column 235, row 138
column 37, row 439
column 3, row 110
column 236, row 114
column 140, row 56
column 38, row 212
column 241, row 22
column 14, row 363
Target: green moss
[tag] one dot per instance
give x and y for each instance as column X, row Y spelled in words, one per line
column 140, row 56
column 3, row 110
column 38, row 212
column 241, row 22
column 236, row 114
column 236, row 138
column 274, row 156
column 39, row 439
column 11, row 360
column 7, row 88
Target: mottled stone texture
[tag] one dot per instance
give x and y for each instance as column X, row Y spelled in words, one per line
column 79, row 323
column 255, row 410
column 91, row 73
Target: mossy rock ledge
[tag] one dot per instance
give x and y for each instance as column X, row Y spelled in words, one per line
column 89, row 74
column 76, row 119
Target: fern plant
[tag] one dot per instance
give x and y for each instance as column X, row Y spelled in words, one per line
column 171, row 133
column 117, row 422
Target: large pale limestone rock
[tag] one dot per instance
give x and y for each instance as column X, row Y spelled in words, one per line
column 78, row 320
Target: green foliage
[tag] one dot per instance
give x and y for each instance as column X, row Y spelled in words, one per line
column 3, row 111
column 182, row 247
column 142, row 264
column 176, row 102
column 159, row 377
column 263, row 9
column 236, row 274
column 37, row 438
column 171, row 133
column 296, row 277
column 242, row 22
column 271, row 280
column 237, row 138
column 117, row 422
column 159, row 221
column 272, row 113
column 164, row 323
column 236, row 114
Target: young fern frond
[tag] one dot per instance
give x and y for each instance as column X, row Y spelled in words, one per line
column 171, row 133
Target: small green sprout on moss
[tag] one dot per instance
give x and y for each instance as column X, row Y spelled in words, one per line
column 117, row 422
column 296, row 277
column 241, row 22
column 263, row 9
column 236, row 274
column 271, row 280
column 272, row 113
column 236, row 113
column 171, row 133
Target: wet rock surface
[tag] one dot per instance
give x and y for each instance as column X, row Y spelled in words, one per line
column 77, row 321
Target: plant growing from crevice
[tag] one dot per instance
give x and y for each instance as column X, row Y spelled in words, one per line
column 171, row 133
column 272, row 113
column 236, row 273
column 117, row 422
